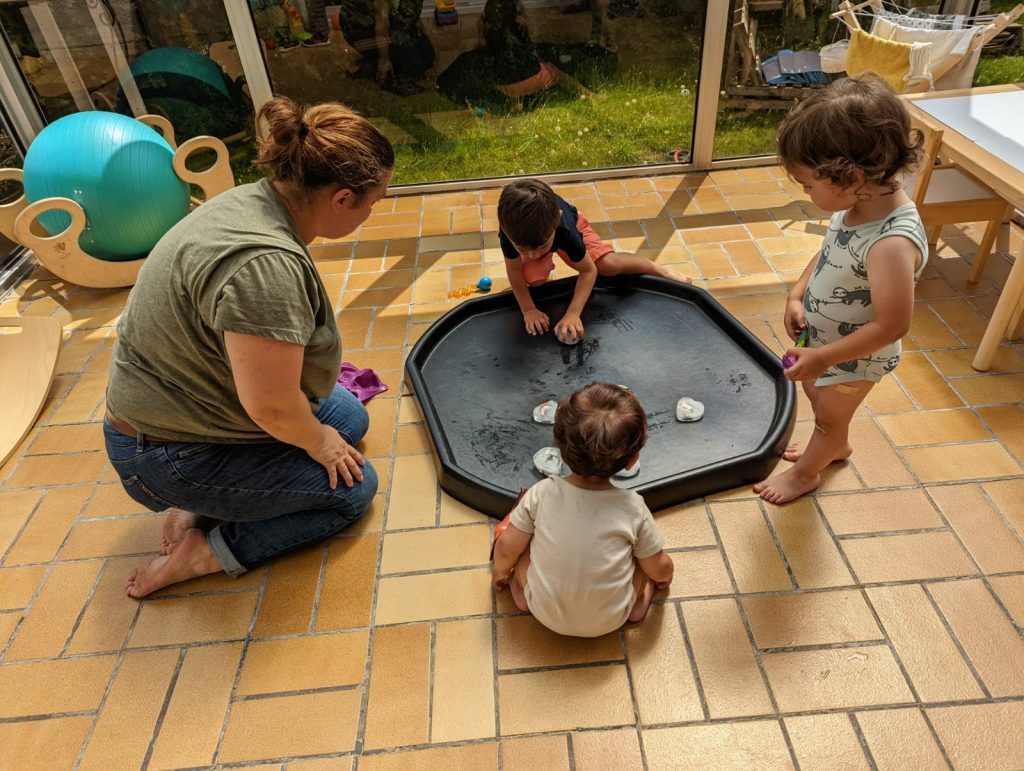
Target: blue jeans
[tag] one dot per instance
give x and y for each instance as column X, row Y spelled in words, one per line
column 272, row 497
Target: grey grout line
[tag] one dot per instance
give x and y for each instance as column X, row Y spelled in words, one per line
column 956, row 641
column 85, row 607
column 243, row 654
column 321, row 577
column 862, row 740
column 24, row 526
column 836, row 646
column 297, row 692
column 158, row 725
column 47, row 716
column 99, row 708
column 569, row 750
column 431, row 673
column 890, row 533
column 935, row 736
column 494, row 664
column 692, row 659
column 1019, row 536
column 778, row 543
column 634, row 697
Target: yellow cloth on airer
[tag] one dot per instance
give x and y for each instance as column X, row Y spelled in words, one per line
column 888, row 58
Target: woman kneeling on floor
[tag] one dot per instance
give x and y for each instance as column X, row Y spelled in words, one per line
column 222, row 403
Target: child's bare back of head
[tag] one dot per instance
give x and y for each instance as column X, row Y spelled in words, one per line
column 854, row 125
column 528, row 212
column 599, row 429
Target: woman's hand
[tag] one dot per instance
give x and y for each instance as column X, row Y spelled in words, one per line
column 794, row 319
column 570, row 328
column 536, row 321
column 339, row 457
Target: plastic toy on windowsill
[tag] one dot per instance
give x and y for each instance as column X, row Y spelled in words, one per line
column 483, row 285
column 445, row 13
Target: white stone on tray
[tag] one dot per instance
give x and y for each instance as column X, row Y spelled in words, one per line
column 689, row 410
column 628, row 473
column 568, row 339
column 545, row 412
column 548, row 461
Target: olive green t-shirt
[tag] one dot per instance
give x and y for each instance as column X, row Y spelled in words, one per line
column 235, row 264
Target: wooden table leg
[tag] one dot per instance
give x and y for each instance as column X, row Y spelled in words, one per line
column 1000, row 322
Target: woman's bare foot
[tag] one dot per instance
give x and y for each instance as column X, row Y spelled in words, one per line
column 190, row 558
column 787, row 486
column 178, row 523
column 795, row 452
column 643, row 603
column 666, row 272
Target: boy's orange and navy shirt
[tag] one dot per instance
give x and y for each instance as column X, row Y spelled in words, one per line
column 568, row 243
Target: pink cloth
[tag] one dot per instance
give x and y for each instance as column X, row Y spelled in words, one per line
column 361, row 383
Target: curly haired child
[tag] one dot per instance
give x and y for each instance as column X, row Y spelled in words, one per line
column 848, row 147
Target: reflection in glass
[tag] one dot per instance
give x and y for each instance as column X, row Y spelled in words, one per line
column 505, row 87
column 173, row 58
column 10, row 158
column 778, row 48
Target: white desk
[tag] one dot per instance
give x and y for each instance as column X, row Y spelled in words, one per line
column 983, row 133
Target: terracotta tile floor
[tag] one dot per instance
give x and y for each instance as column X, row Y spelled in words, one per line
column 877, row 623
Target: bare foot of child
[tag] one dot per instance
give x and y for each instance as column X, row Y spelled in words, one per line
column 643, row 603
column 191, row 558
column 787, row 486
column 795, row 452
column 178, row 523
column 666, row 272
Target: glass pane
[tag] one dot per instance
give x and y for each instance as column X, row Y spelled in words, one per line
column 10, row 158
column 501, row 87
column 771, row 62
column 780, row 51
column 174, row 58
column 1002, row 60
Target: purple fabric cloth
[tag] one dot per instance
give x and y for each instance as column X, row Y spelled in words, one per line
column 361, row 383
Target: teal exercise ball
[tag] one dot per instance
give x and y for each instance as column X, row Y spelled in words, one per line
column 121, row 173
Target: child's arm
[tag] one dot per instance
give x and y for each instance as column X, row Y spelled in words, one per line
column 571, row 324
column 794, row 318
column 536, row 321
column 659, row 568
column 507, row 550
column 890, row 265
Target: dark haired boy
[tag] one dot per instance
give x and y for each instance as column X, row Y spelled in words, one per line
column 534, row 225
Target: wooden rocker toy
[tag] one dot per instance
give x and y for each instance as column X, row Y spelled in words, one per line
column 29, row 347
column 104, row 189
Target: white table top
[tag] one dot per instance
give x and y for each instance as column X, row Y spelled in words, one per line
column 994, row 122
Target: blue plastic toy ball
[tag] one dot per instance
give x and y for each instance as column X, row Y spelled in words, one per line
column 119, row 170
column 484, row 284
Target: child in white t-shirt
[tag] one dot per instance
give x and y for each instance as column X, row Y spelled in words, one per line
column 580, row 554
